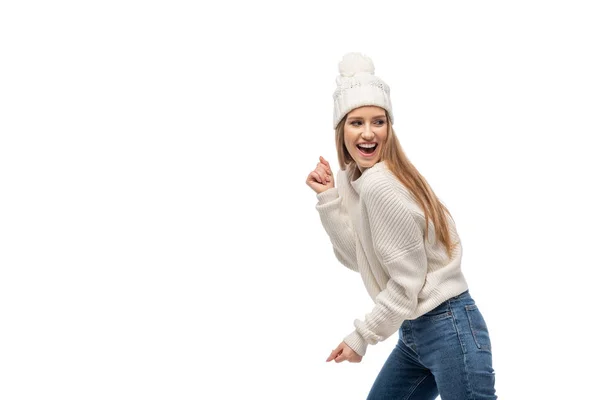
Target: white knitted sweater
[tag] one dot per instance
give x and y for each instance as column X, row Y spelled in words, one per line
column 377, row 229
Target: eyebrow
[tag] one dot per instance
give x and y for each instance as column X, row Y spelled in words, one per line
column 378, row 116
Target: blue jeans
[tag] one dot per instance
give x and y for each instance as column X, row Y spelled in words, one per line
column 446, row 351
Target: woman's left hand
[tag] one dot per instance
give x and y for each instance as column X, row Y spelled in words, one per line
column 344, row 353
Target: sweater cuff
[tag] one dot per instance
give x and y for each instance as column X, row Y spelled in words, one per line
column 328, row 195
column 356, row 342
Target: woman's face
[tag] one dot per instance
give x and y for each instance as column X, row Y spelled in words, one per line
column 365, row 126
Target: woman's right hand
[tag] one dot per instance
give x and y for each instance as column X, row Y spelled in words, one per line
column 321, row 179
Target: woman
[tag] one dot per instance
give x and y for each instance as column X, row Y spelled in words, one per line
column 385, row 222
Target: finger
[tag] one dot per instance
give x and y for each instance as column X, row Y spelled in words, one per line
column 325, row 168
column 341, row 357
column 324, row 161
column 322, row 168
column 322, row 176
column 323, row 173
column 333, row 354
column 316, row 177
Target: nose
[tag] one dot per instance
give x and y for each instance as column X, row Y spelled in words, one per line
column 368, row 133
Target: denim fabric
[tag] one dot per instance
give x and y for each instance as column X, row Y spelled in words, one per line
column 446, row 351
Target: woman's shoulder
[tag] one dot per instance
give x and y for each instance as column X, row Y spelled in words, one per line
column 385, row 190
column 381, row 179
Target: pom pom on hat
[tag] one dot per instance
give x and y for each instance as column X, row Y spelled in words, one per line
column 356, row 63
column 358, row 86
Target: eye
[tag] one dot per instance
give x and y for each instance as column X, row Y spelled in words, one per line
column 380, row 121
column 355, row 122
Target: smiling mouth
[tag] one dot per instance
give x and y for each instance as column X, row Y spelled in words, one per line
column 367, row 151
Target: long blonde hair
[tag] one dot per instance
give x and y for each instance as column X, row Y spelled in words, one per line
column 405, row 171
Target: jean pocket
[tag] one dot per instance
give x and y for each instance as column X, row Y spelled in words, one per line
column 478, row 327
column 440, row 312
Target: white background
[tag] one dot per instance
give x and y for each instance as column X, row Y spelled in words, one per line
column 157, row 237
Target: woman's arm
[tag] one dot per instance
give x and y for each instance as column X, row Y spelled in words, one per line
column 399, row 246
column 338, row 226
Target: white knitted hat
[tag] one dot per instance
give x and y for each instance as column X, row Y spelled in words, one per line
column 357, row 86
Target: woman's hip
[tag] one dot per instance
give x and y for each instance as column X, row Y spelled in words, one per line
column 456, row 326
column 453, row 342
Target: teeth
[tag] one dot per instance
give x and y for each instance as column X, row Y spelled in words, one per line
column 367, row 146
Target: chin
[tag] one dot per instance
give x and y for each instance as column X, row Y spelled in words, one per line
column 368, row 163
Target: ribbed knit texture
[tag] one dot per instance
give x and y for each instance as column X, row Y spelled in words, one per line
column 378, row 230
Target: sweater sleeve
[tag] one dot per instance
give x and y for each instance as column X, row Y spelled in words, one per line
column 399, row 246
column 338, row 226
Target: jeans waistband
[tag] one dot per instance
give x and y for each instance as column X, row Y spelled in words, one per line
column 463, row 295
